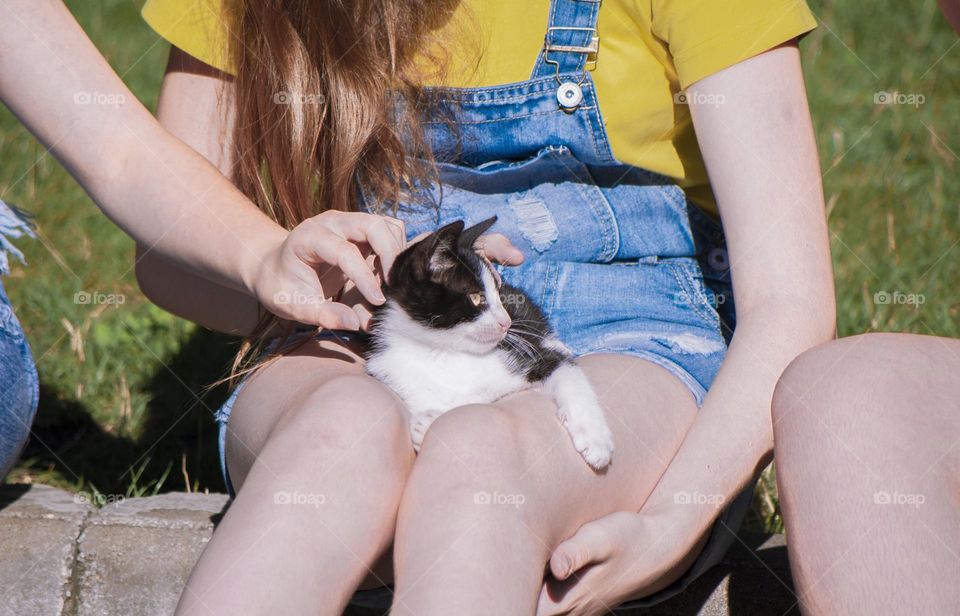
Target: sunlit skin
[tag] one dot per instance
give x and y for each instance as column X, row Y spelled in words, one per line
column 867, row 434
column 313, row 422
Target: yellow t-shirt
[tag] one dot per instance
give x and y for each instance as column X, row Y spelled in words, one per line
column 649, row 51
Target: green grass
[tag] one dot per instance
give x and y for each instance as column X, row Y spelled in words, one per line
column 129, row 415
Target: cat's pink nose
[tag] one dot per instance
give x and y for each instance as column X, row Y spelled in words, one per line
column 504, row 323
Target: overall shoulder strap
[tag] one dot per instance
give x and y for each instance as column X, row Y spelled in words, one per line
column 571, row 39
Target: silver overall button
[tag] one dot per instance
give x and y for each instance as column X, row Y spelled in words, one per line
column 569, row 95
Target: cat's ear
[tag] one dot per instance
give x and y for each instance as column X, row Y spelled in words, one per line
column 443, row 249
column 470, row 236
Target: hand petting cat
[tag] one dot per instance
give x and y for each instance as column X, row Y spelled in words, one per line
column 494, row 246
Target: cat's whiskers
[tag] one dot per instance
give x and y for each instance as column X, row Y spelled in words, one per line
column 512, row 342
column 521, row 351
column 532, row 334
column 522, row 345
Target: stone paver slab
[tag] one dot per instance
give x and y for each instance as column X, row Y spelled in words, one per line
column 39, row 526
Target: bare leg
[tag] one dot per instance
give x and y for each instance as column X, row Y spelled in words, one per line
column 319, row 453
column 867, row 433
column 497, row 487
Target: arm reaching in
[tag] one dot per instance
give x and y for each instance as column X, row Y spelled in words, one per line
column 190, row 108
column 162, row 192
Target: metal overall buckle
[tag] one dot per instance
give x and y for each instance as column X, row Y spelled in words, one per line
column 570, row 94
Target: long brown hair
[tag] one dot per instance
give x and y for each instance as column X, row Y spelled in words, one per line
column 316, row 105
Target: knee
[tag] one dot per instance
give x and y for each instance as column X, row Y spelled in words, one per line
column 831, row 396
column 346, row 418
column 836, row 376
column 477, row 455
column 474, row 441
column 801, row 377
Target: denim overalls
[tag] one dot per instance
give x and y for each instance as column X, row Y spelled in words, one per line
column 616, row 257
column 19, row 385
column 610, row 249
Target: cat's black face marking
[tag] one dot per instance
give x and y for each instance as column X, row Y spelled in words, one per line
column 438, row 281
column 439, row 284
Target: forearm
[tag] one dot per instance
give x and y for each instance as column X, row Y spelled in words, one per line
column 190, row 215
column 731, row 439
column 189, row 109
column 148, row 182
column 196, row 298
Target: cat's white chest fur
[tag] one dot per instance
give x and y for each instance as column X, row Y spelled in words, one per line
column 435, row 369
column 432, row 381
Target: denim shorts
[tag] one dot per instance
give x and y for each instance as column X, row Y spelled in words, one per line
column 19, row 384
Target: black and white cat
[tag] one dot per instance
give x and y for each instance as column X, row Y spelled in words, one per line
column 452, row 333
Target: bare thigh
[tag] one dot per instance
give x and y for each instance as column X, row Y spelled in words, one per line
column 516, row 449
column 867, row 442
column 278, row 387
column 282, row 386
column 649, row 411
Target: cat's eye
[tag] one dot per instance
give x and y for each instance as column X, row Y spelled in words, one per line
column 476, row 298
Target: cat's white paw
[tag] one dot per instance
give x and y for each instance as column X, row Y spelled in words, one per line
column 579, row 411
column 419, row 424
column 592, row 439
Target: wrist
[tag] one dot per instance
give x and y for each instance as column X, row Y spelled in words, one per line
column 695, row 509
column 255, row 255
